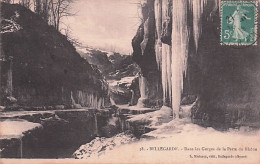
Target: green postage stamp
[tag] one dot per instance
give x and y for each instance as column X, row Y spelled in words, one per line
column 238, row 23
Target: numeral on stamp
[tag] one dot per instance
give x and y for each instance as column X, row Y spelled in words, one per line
column 238, row 22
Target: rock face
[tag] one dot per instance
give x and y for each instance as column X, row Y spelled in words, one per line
column 224, row 78
column 144, row 55
column 229, row 80
column 46, row 69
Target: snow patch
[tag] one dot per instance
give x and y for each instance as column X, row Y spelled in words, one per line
column 16, row 128
column 9, row 26
column 154, row 118
column 84, row 50
column 136, row 108
column 182, row 133
column 101, row 145
column 127, row 81
column 110, row 53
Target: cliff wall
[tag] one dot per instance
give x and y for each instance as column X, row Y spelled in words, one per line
column 45, row 68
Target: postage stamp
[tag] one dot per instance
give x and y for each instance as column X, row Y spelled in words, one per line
column 238, row 23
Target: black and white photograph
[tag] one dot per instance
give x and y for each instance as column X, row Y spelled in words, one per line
column 130, row 81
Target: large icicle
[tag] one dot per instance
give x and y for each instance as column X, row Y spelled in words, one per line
column 158, row 23
column 166, row 72
column 143, row 91
column 197, row 8
column 180, row 38
column 166, row 56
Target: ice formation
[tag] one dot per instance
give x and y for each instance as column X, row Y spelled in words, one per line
column 180, row 39
column 158, row 21
column 172, row 60
column 143, row 90
column 72, row 99
column 166, row 55
column 197, row 10
column 112, row 101
column 89, row 100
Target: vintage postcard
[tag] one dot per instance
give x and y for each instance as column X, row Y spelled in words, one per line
column 129, row 81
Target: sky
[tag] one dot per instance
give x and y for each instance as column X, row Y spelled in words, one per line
column 105, row 24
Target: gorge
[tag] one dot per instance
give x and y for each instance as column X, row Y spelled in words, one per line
column 179, row 80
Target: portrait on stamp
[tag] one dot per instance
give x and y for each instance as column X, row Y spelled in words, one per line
column 238, row 22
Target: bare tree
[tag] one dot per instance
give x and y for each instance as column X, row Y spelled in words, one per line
column 37, row 6
column 68, row 34
column 60, row 9
column 25, row 3
column 52, row 11
column 6, row 1
column 45, row 10
column 42, row 8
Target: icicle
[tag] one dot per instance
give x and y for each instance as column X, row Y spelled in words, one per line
column 166, row 72
column 103, row 102
column 132, row 97
column 72, row 99
column 94, row 101
column 158, row 21
column 166, row 56
column 143, row 91
column 80, row 97
column 100, row 103
column 197, row 8
column 169, row 72
column 180, row 40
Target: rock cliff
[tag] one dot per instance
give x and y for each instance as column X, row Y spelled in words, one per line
column 40, row 67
